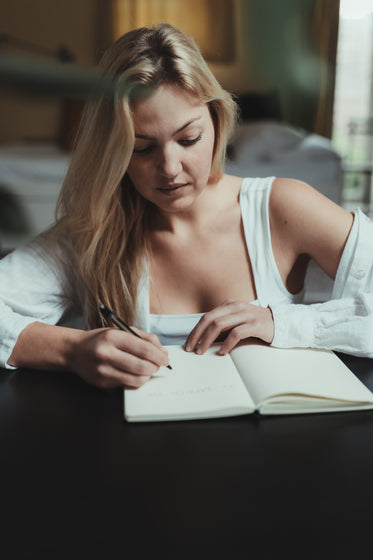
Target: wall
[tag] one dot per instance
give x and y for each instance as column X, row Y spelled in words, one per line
column 49, row 23
column 272, row 43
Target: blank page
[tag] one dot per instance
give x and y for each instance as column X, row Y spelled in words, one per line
column 268, row 371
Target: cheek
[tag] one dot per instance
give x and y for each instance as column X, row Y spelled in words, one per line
column 209, row 146
column 137, row 172
column 133, row 168
column 204, row 159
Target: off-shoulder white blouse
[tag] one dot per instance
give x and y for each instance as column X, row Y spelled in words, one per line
column 337, row 315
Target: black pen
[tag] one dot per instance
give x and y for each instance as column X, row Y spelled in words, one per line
column 105, row 312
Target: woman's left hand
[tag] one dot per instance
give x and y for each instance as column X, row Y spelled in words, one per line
column 242, row 320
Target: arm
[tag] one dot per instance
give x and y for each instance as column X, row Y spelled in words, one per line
column 33, row 287
column 34, row 294
column 345, row 323
column 103, row 357
column 303, row 222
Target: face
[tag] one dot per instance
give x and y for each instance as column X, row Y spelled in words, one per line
column 174, row 141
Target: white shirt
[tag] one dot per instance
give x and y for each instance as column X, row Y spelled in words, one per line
column 345, row 322
column 34, row 286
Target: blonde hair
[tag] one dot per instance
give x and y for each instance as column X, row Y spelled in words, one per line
column 103, row 219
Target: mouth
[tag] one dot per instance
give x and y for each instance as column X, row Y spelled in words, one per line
column 172, row 188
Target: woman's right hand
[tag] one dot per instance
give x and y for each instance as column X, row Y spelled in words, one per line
column 110, row 358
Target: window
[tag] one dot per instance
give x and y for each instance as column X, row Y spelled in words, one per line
column 353, row 103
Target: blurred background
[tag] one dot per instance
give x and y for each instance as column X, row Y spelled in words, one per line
column 301, row 71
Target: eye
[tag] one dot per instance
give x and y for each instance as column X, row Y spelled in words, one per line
column 145, row 150
column 187, row 142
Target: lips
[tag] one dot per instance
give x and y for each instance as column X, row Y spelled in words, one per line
column 173, row 187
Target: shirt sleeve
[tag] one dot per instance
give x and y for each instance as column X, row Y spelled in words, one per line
column 34, row 286
column 345, row 322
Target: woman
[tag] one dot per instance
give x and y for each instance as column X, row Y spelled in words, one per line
column 149, row 225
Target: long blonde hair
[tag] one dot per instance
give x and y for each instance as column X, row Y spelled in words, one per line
column 102, row 218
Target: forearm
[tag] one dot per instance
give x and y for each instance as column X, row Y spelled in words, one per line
column 103, row 357
column 47, row 347
column 344, row 325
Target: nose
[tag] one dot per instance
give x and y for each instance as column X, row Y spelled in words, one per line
column 170, row 163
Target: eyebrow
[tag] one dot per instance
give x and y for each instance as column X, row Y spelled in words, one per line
column 144, row 137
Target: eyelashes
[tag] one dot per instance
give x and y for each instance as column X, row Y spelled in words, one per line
column 190, row 142
column 185, row 143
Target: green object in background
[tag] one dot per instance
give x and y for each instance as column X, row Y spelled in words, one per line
column 32, row 77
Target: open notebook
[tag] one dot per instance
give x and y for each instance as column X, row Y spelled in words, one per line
column 253, row 377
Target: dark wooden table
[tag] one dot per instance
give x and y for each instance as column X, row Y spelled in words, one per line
column 79, row 482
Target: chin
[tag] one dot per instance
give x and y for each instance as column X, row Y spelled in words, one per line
column 177, row 204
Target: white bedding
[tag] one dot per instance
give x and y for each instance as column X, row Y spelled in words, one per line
column 33, row 175
column 271, row 148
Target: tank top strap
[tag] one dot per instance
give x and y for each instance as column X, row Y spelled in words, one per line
column 254, row 202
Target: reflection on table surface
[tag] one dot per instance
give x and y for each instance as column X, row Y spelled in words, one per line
column 79, row 482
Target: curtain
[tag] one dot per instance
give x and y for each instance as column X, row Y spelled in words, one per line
column 325, row 34
column 209, row 22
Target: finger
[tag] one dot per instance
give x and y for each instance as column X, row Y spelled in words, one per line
column 130, row 388
column 150, row 337
column 123, row 369
column 153, row 339
column 143, row 349
column 131, row 363
column 218, row 326
column 237, row 334
column 205, row 321
column 108, row 377
column 260, row 326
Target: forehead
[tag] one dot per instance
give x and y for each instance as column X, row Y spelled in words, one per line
column 166, row 106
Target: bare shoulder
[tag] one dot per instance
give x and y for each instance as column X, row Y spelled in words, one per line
column 308, row 221
column 288, row 195
column 294, row 201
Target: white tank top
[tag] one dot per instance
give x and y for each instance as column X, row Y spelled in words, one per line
column 254, row 199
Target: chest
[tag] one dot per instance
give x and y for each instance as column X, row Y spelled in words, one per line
column 198, row 275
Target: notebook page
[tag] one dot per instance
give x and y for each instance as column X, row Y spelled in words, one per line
column 197, row 386
column 268, row 371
